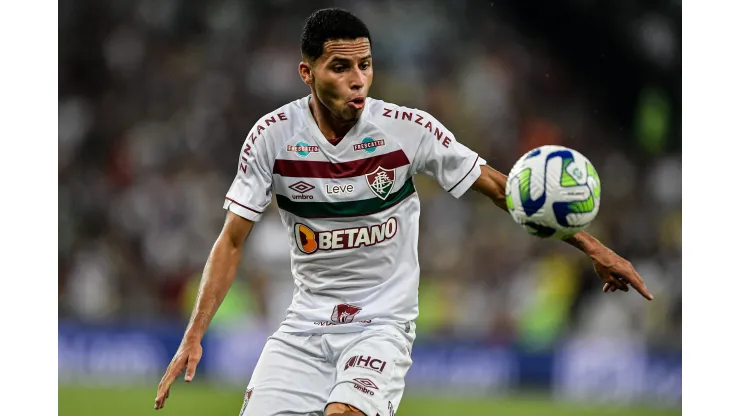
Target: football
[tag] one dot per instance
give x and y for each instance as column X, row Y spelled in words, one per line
column 553, row 192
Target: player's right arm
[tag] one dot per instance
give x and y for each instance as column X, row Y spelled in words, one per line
column 250, row 193
column 218, row 276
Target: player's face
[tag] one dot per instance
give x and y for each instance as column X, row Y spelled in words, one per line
column 342, row 76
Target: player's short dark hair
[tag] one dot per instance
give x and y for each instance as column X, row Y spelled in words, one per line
column 330, row 24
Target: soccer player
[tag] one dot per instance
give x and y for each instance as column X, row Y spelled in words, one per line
column 340, row 165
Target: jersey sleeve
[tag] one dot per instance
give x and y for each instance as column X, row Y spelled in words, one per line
column 452, row 164
column 251, row 191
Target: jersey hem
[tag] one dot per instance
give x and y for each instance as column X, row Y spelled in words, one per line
column 302, row 328
column 242, row 210
column 467, row 181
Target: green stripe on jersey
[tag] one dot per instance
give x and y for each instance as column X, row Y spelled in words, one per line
column 345, row 208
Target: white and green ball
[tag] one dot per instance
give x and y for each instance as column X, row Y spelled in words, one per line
column 553, row 192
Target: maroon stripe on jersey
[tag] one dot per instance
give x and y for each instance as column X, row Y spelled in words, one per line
column 244, row 206
column 320, row 169
column 466, row 175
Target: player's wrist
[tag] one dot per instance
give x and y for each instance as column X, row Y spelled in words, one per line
column 190, row 340
column 192, row 336
column 586, row 243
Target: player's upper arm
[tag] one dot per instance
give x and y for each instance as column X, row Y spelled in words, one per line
column 440, row 155
column 236, row 229
column 491, row 183
column 251, row 191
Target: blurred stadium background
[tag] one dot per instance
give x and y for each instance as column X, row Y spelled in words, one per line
column 156, row 96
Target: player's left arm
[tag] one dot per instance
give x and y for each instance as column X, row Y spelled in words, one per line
column 615, row 271
column 457, row 169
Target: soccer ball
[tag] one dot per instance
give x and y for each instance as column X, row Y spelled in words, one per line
column 553, row 192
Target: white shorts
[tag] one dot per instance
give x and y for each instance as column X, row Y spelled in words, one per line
column 299, row 374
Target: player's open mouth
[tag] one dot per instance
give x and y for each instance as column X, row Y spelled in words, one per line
column 357, row 103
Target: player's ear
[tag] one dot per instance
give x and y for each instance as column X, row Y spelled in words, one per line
column 306, row 73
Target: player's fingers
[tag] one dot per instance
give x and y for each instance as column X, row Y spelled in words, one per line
column 643, row 290
column 159, row 401
column 163, row 390
column 193, row 361
column 629, row 274
column 623, row 284
column 616, row 283
column 612, row 283
column 640, row 287
column 168, row 378
column 611, row 287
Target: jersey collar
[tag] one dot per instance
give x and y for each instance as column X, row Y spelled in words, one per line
column 321, row 140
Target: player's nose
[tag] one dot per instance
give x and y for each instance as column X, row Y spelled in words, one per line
column 357, row 80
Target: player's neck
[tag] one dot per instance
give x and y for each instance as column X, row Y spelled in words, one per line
column 331, row 127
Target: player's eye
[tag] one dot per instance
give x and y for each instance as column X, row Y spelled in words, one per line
column 339, row 68
column 365, row 65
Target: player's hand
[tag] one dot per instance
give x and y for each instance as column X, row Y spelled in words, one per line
column 618, row 273
column 186, row 358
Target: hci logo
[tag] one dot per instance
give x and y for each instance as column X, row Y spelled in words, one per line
column 367, row 362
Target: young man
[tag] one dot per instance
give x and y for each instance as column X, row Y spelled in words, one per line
column 341, row 165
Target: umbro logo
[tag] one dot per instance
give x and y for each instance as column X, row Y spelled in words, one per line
column 366, row 382
column 301, row 187
column 365, row 385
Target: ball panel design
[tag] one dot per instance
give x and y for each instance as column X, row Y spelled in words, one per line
column 553, row 192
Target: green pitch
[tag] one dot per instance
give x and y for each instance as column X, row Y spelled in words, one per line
column 197, row 400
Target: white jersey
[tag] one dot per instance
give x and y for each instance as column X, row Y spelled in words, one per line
column 350, row 209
